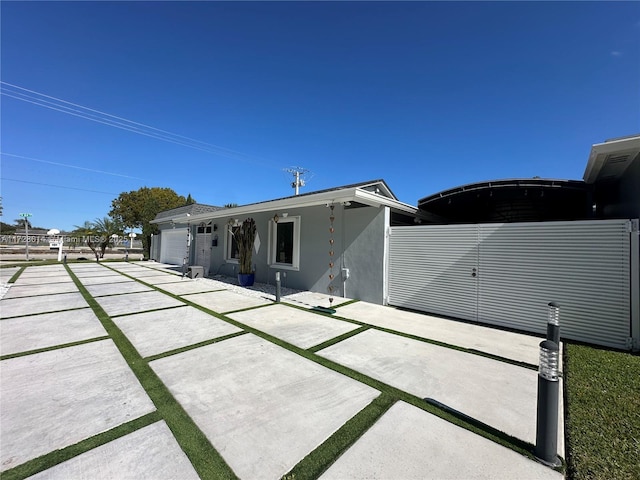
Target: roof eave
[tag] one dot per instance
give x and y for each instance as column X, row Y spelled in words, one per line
column 601, row 151
column 325, row 198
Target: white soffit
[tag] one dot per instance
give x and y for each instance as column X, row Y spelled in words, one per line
column 609, row 160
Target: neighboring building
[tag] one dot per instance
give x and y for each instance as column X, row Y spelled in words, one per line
column 613, row 172
column 294, row 238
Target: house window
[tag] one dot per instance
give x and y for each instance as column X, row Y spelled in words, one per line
column 284, row 248
column 232, row 253
column 204, row 229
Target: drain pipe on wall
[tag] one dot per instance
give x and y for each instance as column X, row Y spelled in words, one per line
column 343, row 267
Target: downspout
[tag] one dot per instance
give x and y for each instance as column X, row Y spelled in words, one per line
column 385, row 259
column 343, row 269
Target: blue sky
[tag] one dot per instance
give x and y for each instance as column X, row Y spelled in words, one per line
column 426, row 95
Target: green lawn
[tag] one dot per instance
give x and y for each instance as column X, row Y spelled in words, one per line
column 603, row 413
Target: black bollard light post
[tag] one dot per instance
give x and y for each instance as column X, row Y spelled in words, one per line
column 547, row 412
column 277, row 287
column 553, row 323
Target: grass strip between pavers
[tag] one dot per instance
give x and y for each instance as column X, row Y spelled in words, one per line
column 450, row 415
column 338, row 339
column 207, row 462
column 195, row 345
column 56, row 457
column 41, row 313
column 16, row 275
column 318, row 461
column 53, row 347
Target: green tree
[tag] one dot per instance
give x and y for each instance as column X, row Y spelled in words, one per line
column 137, row 208
column 190, row 200
column 23, row 222
column 7, row 229
column 230, row 205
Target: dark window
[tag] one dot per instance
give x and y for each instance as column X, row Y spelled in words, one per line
column 233, row 244
column 284, row 243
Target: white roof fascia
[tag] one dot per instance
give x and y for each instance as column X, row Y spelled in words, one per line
column 600, row 152
column 324, row 198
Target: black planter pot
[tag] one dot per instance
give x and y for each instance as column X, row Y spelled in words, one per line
column 246, row 279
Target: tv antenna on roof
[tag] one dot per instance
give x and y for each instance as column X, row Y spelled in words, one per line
column 297, row 173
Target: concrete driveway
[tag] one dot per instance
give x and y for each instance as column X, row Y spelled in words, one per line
column 265, row 385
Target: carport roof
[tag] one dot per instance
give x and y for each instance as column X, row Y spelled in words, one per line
column 511, row 200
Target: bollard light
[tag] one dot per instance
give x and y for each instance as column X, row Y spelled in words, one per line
column 277, row 287
column 549, row 361
column 553, row 323
column 547, row 409
column 554, row 313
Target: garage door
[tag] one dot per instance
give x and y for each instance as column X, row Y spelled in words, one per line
column 508, row 274
column 173, row 246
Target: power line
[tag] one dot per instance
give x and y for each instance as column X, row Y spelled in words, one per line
column 69, row 166
column 57, row 186
column 40, row 99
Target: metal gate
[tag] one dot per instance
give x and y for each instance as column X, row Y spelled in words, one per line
column 505, row 274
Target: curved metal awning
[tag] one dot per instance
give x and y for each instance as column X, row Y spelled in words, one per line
column 512, row 200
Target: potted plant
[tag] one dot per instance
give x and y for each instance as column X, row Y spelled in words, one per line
column 245, row 237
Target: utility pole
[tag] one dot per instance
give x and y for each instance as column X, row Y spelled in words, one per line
column 297, row 173
column 26, row 229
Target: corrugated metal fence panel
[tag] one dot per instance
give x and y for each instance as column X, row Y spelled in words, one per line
column 430, row 269
column 584, row 266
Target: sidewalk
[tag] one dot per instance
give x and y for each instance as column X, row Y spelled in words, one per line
column 266, row 386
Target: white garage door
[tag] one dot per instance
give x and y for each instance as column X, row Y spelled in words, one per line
column 173, row 245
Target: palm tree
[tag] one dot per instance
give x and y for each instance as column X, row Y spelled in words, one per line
column 105, row 228
column 97, row 234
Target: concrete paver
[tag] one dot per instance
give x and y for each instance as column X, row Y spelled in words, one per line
column 136, row 302
column 225, row 301
column 514, row 346
column 313, row 299
column 164, row 330
column 57, row 398
column 103, row 280
column 262, row 407
column 159, row 279
column 188, row 286
column 37, row 280
column 102, row 290
column 144, row 272
column 298, row 327
column 105, row 272
column 7, row 273
column 36, row 272
column 86, row 267
column 151, row 452
column 18, row 307
column 22, row 334
column 409, row 443
column 498, row 394
column 17, row 291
